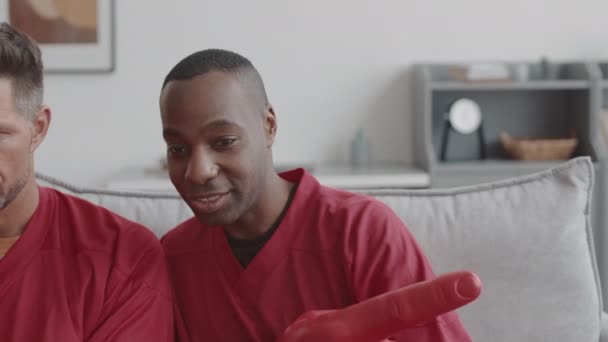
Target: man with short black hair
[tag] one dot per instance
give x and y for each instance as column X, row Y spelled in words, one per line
column 265, row 248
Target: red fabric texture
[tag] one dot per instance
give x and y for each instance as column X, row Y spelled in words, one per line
column 82, row 273
column 332, row 249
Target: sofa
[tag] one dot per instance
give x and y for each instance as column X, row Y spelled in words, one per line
column 528, row 238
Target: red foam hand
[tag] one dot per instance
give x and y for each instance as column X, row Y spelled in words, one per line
column 382, row 316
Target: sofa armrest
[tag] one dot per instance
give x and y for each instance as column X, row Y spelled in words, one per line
column 604, row 327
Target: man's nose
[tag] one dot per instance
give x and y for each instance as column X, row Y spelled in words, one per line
column 201, row 167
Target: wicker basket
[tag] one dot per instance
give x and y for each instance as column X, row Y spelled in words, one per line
column 538, row 149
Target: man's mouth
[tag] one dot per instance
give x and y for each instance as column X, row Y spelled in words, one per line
column 208, row 203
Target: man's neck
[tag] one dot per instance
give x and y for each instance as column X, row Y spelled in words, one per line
column 14, row 218
column 262, row 216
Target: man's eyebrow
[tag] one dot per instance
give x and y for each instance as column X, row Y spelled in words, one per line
column 170, row 132
column 217, row 124
column 222, row 123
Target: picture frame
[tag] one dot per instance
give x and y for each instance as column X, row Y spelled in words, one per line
column 70, row 41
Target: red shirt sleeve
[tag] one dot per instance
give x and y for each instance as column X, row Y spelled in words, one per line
column 138, row 304
column 383, row 255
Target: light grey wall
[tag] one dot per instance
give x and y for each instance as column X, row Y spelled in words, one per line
column 329, row 66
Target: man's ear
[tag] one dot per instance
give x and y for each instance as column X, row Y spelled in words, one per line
column 40, row 125
column 270, row 125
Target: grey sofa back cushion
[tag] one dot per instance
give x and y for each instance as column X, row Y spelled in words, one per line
column 530, row 241
column 528, row 238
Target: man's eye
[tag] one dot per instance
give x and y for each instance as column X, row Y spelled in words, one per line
column 225, row 142
column 176, row 150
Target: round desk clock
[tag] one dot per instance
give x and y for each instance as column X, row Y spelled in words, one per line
column 464, row 117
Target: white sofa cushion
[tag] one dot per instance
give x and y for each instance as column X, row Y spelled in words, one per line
column 530, row 241
column 528, row 238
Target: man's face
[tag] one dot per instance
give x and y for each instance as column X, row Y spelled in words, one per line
column 16, row 161
column 218, row 145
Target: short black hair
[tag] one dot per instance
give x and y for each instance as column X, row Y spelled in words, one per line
column 204, row 61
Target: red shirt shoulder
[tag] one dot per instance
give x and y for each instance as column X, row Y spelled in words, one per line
column 342, row 218
column 81, row 227
column 95, row 275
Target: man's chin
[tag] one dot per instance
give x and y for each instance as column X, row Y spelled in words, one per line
column 211, row 220
column 7, row 197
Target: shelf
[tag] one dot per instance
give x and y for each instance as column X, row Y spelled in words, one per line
column 515, row 86
column 338, row 176
column 373, row 176
column 498, row 166
column 535, row 107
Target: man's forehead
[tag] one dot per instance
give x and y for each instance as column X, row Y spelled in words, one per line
column 6, row 88
column 7, row 102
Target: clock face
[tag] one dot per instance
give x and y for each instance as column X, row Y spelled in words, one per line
column 465, row 116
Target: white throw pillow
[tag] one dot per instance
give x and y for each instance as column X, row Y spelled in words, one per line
column 530, row 241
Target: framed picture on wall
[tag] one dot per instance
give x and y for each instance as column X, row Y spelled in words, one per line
column 75, row 36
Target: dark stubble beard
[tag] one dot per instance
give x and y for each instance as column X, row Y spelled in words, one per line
column 13, row 191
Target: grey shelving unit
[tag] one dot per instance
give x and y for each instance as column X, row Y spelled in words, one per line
column 533, row 108
column 572, row 99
